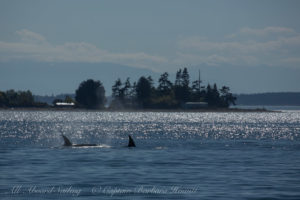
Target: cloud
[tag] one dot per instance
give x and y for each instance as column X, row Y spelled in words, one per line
column 264, row 32
column 33, row 46
column 267, row 31
column 292, row 60
column 263, row 49
column 29, row 36
column 272, row 46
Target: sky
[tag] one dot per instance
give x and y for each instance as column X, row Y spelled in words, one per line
column 255, row 39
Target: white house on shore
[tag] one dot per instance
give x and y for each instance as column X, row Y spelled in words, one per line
column 64, row 105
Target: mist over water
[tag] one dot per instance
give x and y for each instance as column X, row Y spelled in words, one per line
column 179, row 155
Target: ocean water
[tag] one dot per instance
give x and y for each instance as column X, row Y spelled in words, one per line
column 179, row 155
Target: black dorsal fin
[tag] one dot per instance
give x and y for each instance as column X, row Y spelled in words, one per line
column 67, row 141
column 131, row 142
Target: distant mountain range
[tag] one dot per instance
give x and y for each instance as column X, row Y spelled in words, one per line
column 58, row 78
column 270, row 99
column 47, row 78
column 44, row 78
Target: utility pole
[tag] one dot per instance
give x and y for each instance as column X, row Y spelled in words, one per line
column 199, row 82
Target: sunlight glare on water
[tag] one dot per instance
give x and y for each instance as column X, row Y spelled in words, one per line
column 44, row 128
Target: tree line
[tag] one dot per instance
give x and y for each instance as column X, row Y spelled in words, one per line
column 12, row 98
column 142, row 94
column 168, row 95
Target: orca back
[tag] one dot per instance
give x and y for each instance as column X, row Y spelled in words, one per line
column 131, row 142
column 67, row 141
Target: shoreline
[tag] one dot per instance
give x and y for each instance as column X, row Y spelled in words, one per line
column 221, row 110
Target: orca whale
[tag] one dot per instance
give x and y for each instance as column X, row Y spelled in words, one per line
column 68, row 143
column 131, row 142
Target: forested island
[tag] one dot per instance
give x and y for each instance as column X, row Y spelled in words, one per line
column 142, row 94
column 168, row 95
column 19, row 99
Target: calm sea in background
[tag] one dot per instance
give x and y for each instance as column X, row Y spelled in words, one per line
column 179, row 155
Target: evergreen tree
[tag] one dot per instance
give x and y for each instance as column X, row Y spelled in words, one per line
column 90, row 94
column 178, row 80
column 196, row 92
column 123, row 94
column 185, row 77
column 165, row 86
column 209, row 95
column 212, row 96
column 117, row 91
column 226, row 97
column 132, row 91
column 11, row 98
column 181, row 88
column 185, row 85
column 144, row 92
column 215, row 95
column 3, row 99
column 126, row 88
column 25, row 99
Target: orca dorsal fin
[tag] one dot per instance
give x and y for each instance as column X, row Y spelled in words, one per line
column 67, row 141
column 131, row 142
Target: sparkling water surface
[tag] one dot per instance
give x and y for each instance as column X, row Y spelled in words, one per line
column 179, row 155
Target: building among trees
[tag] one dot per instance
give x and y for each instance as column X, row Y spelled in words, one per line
column 168, row 95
